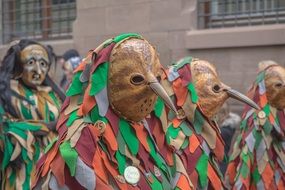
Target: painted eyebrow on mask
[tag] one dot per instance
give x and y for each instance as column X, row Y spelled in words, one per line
column 34, row 58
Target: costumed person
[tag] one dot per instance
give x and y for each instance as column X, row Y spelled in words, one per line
column 198, row 93
column 229, row 124
column 258, row 157
column 106, row 137
column 29, row 106
column 70, row 61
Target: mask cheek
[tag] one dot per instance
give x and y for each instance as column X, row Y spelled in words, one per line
column 27, row 77
column 43, row 74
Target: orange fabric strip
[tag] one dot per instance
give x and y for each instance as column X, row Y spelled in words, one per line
column 263, row 100
column 180, row 91
column 110, row 138
column 142, row 135
column 214, row 178
column 193, row 143
column 267, row 175
column 183, row 183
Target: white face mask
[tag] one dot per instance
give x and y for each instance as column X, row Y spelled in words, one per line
column 35, row 65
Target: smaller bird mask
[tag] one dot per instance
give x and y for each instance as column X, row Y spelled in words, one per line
column 211, row 91
column 275, row 84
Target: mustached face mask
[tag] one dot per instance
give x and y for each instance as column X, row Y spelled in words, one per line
column 36, row 65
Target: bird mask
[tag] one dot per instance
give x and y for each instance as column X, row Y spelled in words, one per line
column 132, row 79
column 275, row 84
column 211, row 91
column 200, row 78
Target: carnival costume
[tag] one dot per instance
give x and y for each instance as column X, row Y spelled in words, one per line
column 29, row 106
column 198, row 94
column 258, row 158
column 107, row 139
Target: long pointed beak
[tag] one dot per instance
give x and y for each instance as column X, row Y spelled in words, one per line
column 240, row 97
column 159, row 91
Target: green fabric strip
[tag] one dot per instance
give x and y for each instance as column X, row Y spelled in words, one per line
column 12, row 178
column 182, row 62
column 173, row 132
column 202, row 169
column 55, row 99
column 24, row 126
column 76, row 85
column 260, row 77
column 99, row 79
column 194, row 96
column 159, row 105
column 244, row 170
column 155, row 185
column 129, row 136
column 185, row 128
column 50, row 145
column 25, row 112
column 73, row 116
column 121, row 162
column 198, row 121
column 256, row 176
column 121, row 37
column 69, row 155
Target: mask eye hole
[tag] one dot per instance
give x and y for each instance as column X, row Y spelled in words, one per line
column 278, row 85
column 216, row 88
column 43, row 64
column 137, row 79
column 31, row 62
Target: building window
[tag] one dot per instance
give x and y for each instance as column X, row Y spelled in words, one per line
column 233, row 13
column 37, row 19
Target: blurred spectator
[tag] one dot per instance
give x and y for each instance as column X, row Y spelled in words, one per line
column 229, row 124
column 70, row 61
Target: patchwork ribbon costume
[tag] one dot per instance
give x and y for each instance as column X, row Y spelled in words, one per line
column 258, row 157
column 24, row 125
column 198, row 94
column 106, row 138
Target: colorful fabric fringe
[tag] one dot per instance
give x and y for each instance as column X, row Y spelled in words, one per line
column 196, row 139
column 21, row 149
column 258, row 158
column 95, row 146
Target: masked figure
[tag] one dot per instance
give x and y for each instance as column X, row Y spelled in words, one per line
column 258, row 157
column 29, row 107
column 105, row 140
column 198, row 92
column 69, row 61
